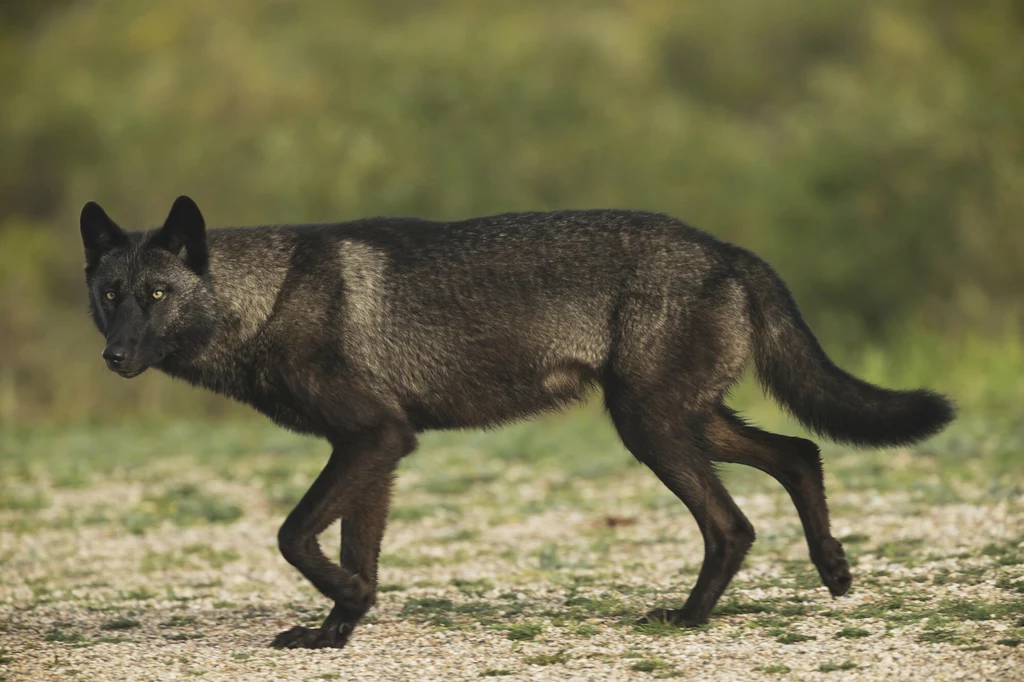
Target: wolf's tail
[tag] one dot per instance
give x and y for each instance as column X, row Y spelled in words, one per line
column 792, row 366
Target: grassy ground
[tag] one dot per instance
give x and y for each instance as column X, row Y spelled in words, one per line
column 148, row 552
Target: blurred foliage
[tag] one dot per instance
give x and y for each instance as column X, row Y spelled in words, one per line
column 873, row 151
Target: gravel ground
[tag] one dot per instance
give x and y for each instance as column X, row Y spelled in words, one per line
column 517, row 576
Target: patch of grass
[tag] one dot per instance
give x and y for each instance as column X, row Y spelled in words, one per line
column 482, row 611
column 891, row 609
column 802, row 576
column 771, row 621
column 650, row 665
column 584, row 630
column 1009, row 583
column 75, row 477
column 179, row 621
column 392, row 587
column 1008, row 554
column 161, row 561
column 937, row 635
column 22, row 500
column 461, row 535
column 660, row 628
column 496, row 672
column 581, row 607
column 963, row 609
column 421, row 560
column 433, row 610
column 966, row 576
column 852, row 633
column 548, row 559
column 411, row 513
column 214, row 558
column 1010, row 641
column 473, row 587
column 401, row 561
column 832, row 667
column 734, row 607
column 900, row 551
column 137, row 522
column 284, row 484
column 773, row 669
column 791, row 637
column 524, row 631
column 206, row 584
column 121, row 623
column 456, row 484
column 58, row 635
column 184, row 505
column 854, row 539
column 548, row 659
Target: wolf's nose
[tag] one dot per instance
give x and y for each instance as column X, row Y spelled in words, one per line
column 114, row 355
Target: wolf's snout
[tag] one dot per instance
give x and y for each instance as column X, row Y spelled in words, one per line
column 114, row 355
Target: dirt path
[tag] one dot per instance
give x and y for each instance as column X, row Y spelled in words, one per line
column 507, row 574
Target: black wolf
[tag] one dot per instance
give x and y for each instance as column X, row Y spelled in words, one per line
column 368, row 332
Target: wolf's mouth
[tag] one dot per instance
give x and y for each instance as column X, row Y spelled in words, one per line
column 128, row 374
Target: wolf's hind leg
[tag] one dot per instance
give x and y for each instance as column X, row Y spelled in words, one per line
column 356, row 485
column 796, row 464
column 677, row 453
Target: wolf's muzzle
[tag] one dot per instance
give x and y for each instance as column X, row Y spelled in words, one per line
column 114, row 354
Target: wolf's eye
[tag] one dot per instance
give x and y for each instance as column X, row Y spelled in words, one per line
column 158, row 294
column 110, row 295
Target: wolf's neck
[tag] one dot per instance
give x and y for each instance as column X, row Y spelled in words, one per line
column 247, row 279
column 246, row 283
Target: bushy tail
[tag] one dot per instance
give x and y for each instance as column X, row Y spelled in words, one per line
column 792, row 366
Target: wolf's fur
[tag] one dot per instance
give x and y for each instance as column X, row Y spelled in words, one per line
column 368, row 332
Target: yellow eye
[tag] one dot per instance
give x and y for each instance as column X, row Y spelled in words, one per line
column 158, row 294
column 111, row 295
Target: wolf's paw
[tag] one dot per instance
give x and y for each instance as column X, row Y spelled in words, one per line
column 671, row 617
column 313, row 638
column 830, row 560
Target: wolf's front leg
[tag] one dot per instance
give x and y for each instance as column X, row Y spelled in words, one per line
column 355, row 484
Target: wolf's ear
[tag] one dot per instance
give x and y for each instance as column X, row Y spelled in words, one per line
column 184, row 234
column 99, row 233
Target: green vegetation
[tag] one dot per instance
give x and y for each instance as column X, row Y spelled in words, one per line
column 524, row 631
column 548, row 659
column 852, row 633
column 184, row 505
column 775, row 669
column 650, row 665
column 121, row 623
column 58, row 635
column 871, row 151
column 790, row 637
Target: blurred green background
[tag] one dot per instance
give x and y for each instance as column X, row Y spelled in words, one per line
column 872, row 150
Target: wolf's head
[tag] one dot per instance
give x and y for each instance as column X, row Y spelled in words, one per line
column 149, row 292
